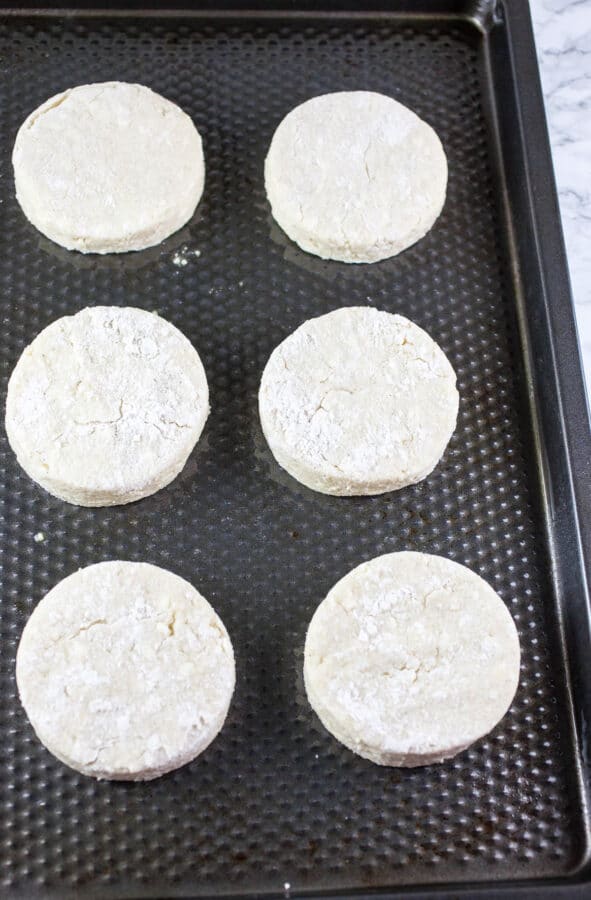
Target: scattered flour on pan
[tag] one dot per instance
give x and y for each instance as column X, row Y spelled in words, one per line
column 182, row 256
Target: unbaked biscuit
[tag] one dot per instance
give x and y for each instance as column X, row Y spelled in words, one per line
column 355, row 176
column 109, row 167
column 125, row 671
column 358, row 402
column 104, row 407
column 410, row 659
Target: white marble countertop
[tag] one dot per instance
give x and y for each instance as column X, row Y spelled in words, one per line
column 563, row 39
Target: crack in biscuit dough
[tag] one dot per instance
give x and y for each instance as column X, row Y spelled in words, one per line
column 107, row 168
column 355, row 176
column 410, row 659
column 358, row 402
column 125, row 671
column 104, row 407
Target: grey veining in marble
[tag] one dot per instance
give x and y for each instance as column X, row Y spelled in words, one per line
column 563, row 39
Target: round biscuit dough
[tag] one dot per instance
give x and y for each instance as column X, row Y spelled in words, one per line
column 355, row 176
column 410, row 659
column 104, row 407
column 125, row 671
column 106, row 168
column 358, row 402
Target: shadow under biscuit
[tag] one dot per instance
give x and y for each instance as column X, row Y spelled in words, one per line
column 132, row 260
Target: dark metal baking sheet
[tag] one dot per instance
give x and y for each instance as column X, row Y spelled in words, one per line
column 276, row 801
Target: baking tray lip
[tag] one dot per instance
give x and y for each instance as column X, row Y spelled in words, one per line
column 556, row 299
column 478, row 10
column 525, row 890
column 570, row 486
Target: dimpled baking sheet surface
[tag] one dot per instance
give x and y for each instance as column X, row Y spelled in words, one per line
column 276, row 805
